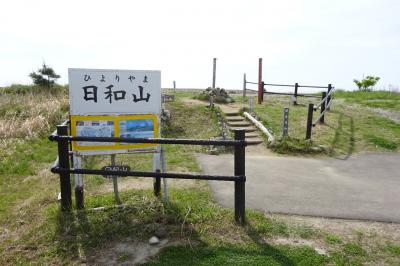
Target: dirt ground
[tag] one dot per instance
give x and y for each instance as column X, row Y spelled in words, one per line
column 393, row 115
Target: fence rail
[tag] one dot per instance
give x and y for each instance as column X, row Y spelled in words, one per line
column 295, row 93
column 278, row 85
column 62, row 166
column 151, row 140
column 57, row 169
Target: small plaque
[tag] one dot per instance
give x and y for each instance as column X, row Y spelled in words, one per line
column 115, row 168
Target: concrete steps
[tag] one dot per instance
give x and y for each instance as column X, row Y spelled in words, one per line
column 234, row 118
column 232, row 113
column 254, row 141
column 235, row 121
column 246, row 129
column 238, row 123
column 250, row 135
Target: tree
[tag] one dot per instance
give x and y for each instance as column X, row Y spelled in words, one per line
column 366, row 83
column 45, row 77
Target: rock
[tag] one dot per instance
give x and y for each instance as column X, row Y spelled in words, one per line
column 213, row 152
column 161, row 233
column 320, row 251
column 220, row 95
column 154, row 240
column 316, row 149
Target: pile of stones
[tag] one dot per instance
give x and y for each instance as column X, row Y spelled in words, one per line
column 220, row 95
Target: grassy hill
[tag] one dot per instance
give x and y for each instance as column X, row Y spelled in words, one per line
column 353, row 125
column 34, row 231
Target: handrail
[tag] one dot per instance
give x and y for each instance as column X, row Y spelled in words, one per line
column 151, row 140
column 322, row 114
column 317, row 87
column 291, row 94
column 324, row 99
column 58, row 169
column 62, row 167
column 278, row 85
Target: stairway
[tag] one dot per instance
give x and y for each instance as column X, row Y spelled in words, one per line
column 235, row 121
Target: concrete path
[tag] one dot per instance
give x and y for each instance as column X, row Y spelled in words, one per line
column 362, row 187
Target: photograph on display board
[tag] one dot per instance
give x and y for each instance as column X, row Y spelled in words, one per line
column 141, row 128
column 93, row 128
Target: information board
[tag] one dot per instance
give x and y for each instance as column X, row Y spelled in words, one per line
column 114, row 103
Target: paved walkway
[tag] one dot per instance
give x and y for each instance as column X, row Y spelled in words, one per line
column 361, row 187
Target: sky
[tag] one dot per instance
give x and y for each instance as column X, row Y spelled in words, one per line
column 312, row 42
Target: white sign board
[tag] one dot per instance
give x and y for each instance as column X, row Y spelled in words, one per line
column 106, row 91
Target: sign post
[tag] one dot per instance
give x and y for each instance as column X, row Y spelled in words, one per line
column 285, row 127
column 114, row 103
column 115, row 181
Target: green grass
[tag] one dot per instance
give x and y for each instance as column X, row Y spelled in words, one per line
column 374, row 99
column 394, row 249
column 333, row 239
column 15, row 171
column 347, row 129
column 354, row 249
column 250, row 254
column 382, row 142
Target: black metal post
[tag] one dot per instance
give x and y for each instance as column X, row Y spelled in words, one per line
column 296, row 87
column 63, row 159
column 329, row 97
column 79, row 198
column 309, row 120
column 322, row 120
column 244, row 86
column 157, row 184
column 260, row 85
column 240, row 188
column 263, row 91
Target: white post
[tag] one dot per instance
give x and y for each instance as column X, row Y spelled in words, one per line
column 214, row 72
column 115, row 181
column 164, row 169
column 77, row 163
column 251, row 104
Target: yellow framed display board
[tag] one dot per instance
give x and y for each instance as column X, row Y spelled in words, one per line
column 129, row 126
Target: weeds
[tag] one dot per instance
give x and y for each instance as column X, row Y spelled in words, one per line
column 333, row 239
column 30, row 115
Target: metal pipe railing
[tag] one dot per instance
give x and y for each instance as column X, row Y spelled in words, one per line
column 58, row 169
column 328, row 96
column 321, row 116
column 62, row 166
column 151, row 140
